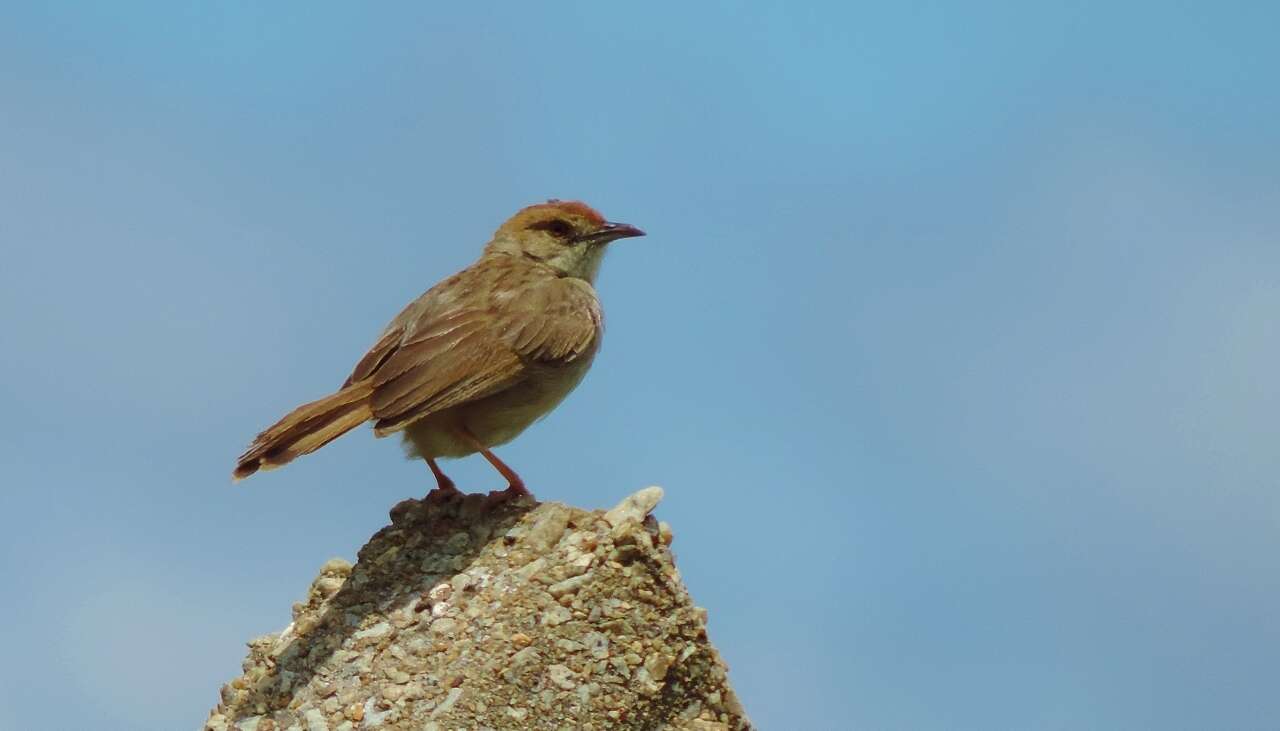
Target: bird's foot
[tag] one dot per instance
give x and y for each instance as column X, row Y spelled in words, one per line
column 443, row 494
column 498, row 498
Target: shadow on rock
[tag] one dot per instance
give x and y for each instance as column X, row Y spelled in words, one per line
column 427, row 545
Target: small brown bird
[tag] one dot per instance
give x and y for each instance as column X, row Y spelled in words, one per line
column 479, row 357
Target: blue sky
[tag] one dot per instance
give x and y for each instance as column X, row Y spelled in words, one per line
column 953, row 340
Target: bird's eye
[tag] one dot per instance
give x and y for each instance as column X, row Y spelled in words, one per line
column 556, row 227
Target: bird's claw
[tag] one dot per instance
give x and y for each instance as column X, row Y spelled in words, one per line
column 442, row 494
column 498, row 498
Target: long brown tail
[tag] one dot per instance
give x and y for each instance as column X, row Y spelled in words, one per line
column 306, row 429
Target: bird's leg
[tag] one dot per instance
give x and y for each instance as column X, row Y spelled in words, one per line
column 515, row 485
column 444, row 486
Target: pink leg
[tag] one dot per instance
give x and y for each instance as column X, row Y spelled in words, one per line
column 444, row 486
column 515, row 485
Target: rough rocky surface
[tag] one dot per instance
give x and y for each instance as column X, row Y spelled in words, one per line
column 462, row 616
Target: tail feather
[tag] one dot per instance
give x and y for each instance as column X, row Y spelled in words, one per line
column 306, row 429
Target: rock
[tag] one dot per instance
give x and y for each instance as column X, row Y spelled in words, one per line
column 569, row 585
column 449, row 700
column 315, row 720
column 376, row 630
column 547, row 529
column 556, row 616
column 598, row 643
column 562, row 677
column 657, row 665
column 634, row 507
column 521, row 616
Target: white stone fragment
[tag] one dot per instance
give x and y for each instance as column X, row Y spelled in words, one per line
column 376, row 630
column 634, row 507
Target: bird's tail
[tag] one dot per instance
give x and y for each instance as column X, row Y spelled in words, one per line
column 306, row 429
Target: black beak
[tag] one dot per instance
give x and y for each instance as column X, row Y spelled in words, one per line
column 611, row 231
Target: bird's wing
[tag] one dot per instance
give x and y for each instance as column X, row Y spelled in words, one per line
column 452, row 355
column 377, row 355
column 554, row 324
column 453, row 359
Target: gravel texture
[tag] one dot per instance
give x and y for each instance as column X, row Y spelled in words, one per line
column 460, row 615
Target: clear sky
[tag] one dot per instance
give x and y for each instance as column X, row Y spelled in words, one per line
column 953, row 341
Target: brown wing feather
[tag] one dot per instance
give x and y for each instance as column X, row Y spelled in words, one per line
column 446, row 356
column 438, row 374
column 377, row 355
column 555, row 324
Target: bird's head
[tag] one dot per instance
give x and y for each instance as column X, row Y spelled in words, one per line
column 568, row 236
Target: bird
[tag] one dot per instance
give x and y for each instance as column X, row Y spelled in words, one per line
column 476, row 359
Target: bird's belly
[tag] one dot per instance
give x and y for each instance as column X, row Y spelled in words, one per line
column 496, row 419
